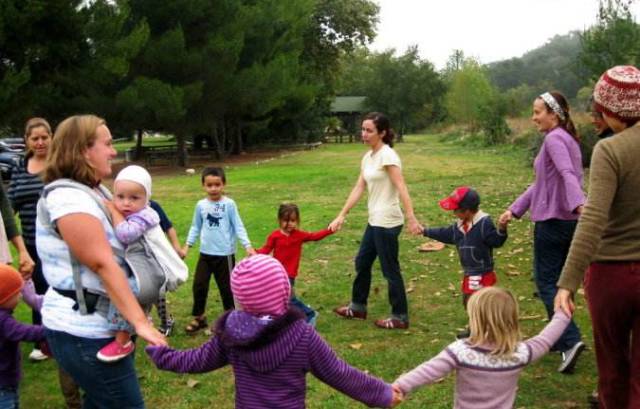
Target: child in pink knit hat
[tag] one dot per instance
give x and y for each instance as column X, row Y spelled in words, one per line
column 271, row 347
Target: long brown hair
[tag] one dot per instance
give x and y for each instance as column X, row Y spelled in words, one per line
column 66, row 157
column 566, row 123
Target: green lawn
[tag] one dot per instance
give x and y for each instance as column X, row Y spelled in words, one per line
column 319, row 182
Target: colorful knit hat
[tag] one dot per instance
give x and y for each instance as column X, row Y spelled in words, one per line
column 10, row 282
column 617, row 92
column 261, row 286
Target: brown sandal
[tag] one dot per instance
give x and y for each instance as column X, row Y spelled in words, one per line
column 196, row 325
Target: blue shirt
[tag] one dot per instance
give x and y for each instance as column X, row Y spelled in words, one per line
column 218, row 225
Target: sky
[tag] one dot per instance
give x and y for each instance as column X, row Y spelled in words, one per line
column 489, row 30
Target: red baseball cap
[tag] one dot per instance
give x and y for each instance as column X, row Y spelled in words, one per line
column 462, row 197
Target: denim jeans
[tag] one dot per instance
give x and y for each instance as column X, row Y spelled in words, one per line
column 382, row 243
column 9, row 398
column 551, row 242
column 105, row 385
column 297, row 302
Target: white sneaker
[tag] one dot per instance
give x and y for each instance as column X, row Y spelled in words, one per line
column 37, row 355
column 570, row 357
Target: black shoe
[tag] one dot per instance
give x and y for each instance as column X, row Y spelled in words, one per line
column 570, row 357
column 463, row 334
column 593, row 400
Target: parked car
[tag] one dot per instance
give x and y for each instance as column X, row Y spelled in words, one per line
column 11, row 151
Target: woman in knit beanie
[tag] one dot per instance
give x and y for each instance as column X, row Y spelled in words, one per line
column 271, row 347
column 607, row 242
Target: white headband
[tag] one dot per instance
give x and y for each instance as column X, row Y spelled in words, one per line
column 553, row 104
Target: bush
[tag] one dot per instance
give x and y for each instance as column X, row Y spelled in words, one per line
column 491, row 121
column 588, row 140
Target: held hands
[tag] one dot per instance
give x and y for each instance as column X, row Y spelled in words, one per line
column 250, row 251
column 564, row 301
column 336, row 224
column 26, row 264
column 147, row 332
column 505, row 218
column 414, row 226
column 398, row 396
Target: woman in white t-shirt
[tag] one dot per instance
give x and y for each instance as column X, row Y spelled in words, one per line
column 73, row 232
column 381, row 175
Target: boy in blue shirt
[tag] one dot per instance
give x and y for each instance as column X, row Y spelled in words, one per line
column 218, row 225
column 475, row 236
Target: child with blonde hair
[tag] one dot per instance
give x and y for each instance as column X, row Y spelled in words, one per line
column 489, row 362
column 271, row 348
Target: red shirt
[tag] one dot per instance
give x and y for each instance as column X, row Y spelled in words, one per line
column 287, row 249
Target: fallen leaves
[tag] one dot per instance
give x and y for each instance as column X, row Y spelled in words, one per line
column 357, row 346
column 192, row 383
column 430, row 246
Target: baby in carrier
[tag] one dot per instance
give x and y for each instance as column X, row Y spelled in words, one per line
column 155, row 266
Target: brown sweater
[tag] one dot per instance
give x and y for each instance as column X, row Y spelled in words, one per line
column 609, row 227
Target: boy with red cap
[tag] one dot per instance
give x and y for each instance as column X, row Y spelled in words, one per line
column 475, row 236
column 12, row 332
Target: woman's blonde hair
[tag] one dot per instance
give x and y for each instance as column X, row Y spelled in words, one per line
column 66, row 157
column 493, row 320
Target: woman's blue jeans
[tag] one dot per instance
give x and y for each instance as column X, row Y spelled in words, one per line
column 9, row 398
column 551, row 242
column 105, row 385
column 381, row 243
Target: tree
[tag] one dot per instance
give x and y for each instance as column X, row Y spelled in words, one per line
column 614, row 40
column 469, row 90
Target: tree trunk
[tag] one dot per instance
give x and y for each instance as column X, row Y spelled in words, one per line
column 181, row 147
column 237, row 140
column 138, row 152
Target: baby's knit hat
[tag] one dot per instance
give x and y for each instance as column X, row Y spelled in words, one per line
column 137, row 174
column 261, row 286
column 10, row 282
column 617, row 92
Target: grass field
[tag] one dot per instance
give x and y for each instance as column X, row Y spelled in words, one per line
column 319, row 182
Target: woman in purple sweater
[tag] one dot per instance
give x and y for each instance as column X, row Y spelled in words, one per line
column 271, row 348
column 555, row 200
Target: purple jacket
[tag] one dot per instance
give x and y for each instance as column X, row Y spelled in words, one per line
column 12, row 332
column 270, row 359
column 136, row 224
column 557, row 189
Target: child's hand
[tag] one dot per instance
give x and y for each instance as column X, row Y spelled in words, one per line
column 398, row 396
column 250, row 251
column 181, row 252
column 505, row 218
column 185, row 250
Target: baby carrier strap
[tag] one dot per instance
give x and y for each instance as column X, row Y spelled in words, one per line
column 45, row 219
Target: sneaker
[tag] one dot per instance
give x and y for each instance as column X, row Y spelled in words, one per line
column 570, row 357
column 313, row 320
column 391, row 323
column 113, row 351
column 592, row 399
column 37, row 355
column 346, row 312
column 463, row 334
column 168, row 327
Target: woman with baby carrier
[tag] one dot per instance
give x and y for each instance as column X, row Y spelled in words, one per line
column 81, row 261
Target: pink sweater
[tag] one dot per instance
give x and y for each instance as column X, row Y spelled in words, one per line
column 484, row 381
